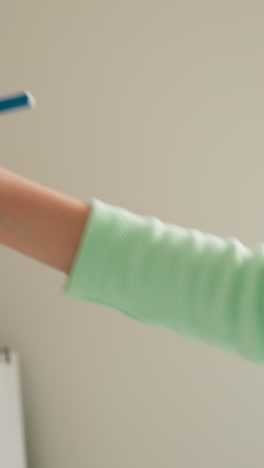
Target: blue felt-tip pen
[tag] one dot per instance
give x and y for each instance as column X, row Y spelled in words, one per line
column 19, row 101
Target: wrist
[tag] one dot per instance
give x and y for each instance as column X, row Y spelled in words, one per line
column 40, row 223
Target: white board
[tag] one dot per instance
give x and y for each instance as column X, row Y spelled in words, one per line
column 12, row 440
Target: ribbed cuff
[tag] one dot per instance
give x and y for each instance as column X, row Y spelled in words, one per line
column 97, row 248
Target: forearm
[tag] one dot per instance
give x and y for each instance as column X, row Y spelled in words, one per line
column 39, row 222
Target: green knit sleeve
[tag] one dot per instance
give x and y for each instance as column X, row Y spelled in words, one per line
column 199, row 285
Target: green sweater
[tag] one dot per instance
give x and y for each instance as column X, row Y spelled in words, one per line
column 199, row 285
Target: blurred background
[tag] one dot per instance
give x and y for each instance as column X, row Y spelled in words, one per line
column 158, row 107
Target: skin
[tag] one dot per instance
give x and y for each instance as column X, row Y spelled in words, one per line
column 39, row 222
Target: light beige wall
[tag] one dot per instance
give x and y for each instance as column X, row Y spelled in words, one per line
column 156, row 106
